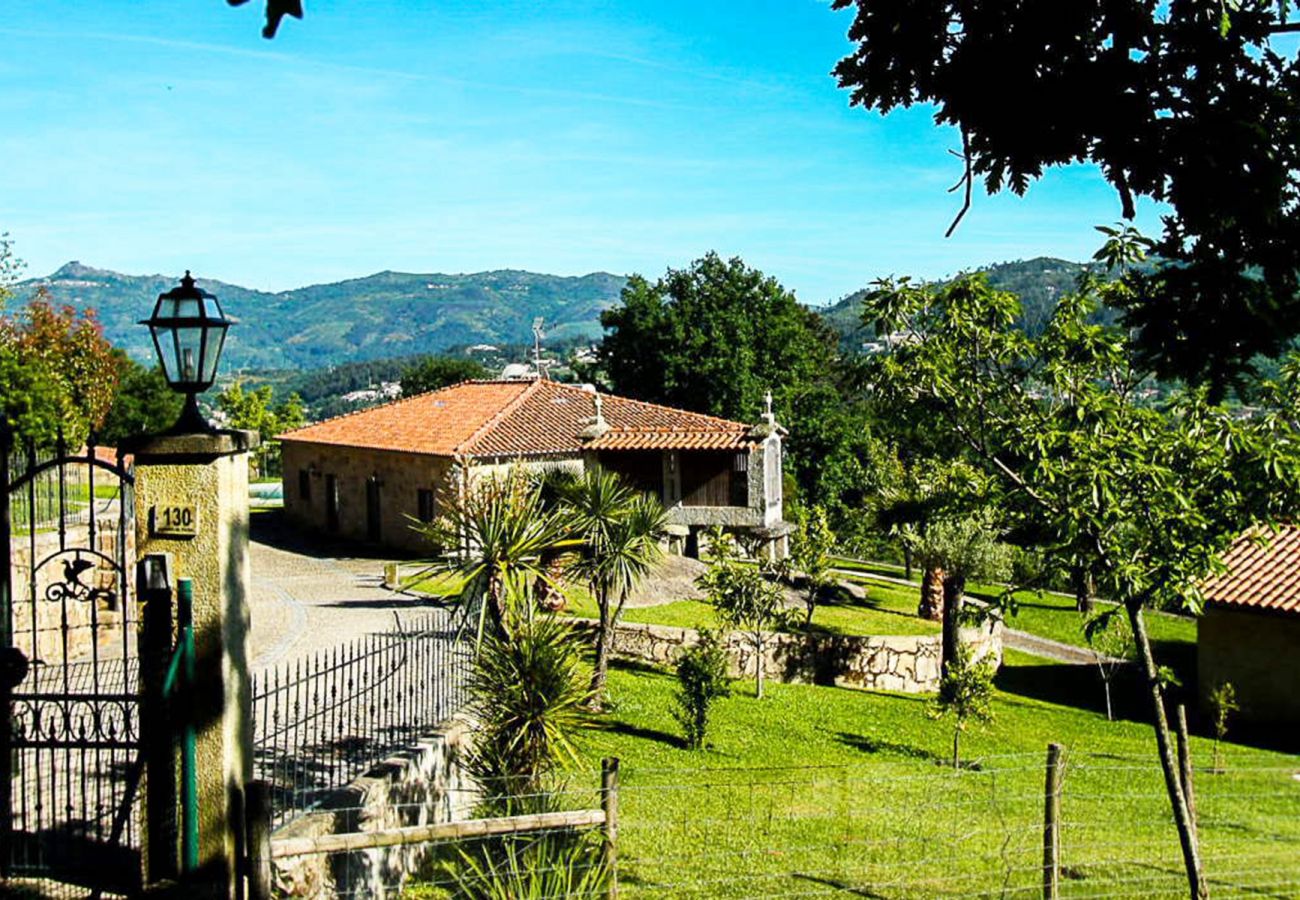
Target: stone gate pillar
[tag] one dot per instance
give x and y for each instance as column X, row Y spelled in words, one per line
column 191, row 502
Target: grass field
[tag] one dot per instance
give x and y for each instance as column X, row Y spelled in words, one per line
column 1046, row 614
column 819, row 790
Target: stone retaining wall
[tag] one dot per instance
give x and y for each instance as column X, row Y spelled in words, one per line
column 426, row 785
column 909, row 664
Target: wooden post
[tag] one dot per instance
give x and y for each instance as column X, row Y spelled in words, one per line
column 609, row 803
column 1185, row 763
column 1052, row 824
column 257, row 808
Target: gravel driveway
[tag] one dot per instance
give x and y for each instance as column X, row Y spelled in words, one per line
column 308, row 595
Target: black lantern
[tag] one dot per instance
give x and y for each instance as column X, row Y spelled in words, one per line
column 188, row 329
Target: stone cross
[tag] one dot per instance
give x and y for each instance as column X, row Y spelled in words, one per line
column 768, row 415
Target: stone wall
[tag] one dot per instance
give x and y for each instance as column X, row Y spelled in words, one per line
column 909, row 664
column 426, row 785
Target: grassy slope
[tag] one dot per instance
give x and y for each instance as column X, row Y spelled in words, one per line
column 1045, row 614
column 872, row 800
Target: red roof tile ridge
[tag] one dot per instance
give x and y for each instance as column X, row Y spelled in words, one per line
column 288, row 435
column 467, row 445
column 661, row 406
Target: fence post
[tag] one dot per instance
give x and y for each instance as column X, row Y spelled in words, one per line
column 609, row 803
column 257, row 808
column 1185, row 763
column 1052, row 824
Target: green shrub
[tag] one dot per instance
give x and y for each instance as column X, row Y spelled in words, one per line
column 520, row 868
column 966, row 694
column 702, row 678
column 528, row 693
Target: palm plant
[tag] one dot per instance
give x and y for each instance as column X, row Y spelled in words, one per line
column 496, row 540
column 526, row 691
column 620, row 530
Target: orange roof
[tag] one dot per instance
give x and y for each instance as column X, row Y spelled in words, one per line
column 520, row 418
column 1263, row 572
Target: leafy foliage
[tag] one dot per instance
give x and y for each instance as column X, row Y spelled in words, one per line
column 811, row 546
column 1222, row 703
column 1165, row 102
column 743, row 596
column 57, row 372
column 619, row 530
column 144, row 404
column 1111, row 642
column 434, row 372
column 255, row 411
column 701, row 679
column 1147, row 498
column 525, row 868
column 965, row 695
column 496, row 540
column 527, row 692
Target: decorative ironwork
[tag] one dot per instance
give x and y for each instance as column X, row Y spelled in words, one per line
column 321, row 721
column 69, row 671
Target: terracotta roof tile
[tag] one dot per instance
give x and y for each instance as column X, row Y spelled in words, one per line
column 1263, row 572
column 521, row 418
column 436, row 423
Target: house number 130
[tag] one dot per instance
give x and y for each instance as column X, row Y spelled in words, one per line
column 174, row 519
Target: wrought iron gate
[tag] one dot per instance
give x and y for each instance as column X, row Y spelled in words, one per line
column 69, row 672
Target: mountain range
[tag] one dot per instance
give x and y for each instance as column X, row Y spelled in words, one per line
column 383, row 315
column 392, row 314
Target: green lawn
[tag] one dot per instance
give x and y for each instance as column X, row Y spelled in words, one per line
column 1047, row 614
column 839, row 618
column 820, row 790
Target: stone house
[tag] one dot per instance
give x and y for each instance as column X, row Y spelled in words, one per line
column 1249, row 633
column 367, row 475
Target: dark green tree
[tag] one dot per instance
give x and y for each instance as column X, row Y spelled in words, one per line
column 715, row 337
column 434, row 372
column 701, row 679
column 1195, row 105
column 144, row 404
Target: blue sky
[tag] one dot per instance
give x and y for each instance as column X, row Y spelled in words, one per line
column 430, row 135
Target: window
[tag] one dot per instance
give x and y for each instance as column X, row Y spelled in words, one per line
column 304, row 485
column 424, row 505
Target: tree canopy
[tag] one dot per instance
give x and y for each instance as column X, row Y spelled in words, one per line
column 435, row 372
column 1189, row 104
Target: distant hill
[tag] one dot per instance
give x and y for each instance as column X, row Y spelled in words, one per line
column 1038, row 281
column 396, row 314
column 384, row 315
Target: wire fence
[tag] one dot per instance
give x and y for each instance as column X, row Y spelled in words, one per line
column 887, row 831
column 321, row 721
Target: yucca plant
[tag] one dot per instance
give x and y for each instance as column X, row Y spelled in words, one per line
column 529, row 868
column 497, row 541
column 528, row 694
column 619, row 529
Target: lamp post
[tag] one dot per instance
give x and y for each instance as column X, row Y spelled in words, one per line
column 189, row 330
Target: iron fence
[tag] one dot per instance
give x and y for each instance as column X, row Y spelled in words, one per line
column 321, row 721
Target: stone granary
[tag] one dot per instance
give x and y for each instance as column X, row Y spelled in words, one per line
column 1249, row 634
column 367, row 475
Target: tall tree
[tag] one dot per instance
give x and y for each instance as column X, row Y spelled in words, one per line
column 715, row 337
column 1195, row 105
column 1149, row 497
column 58, row 373
column 256, row 410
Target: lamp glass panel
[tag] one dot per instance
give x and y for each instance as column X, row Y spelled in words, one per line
column 189, row 348
column 163, row 343
column 189, row 308
column 215, row 340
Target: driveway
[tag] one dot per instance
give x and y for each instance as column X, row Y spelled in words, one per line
column 308, row 596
